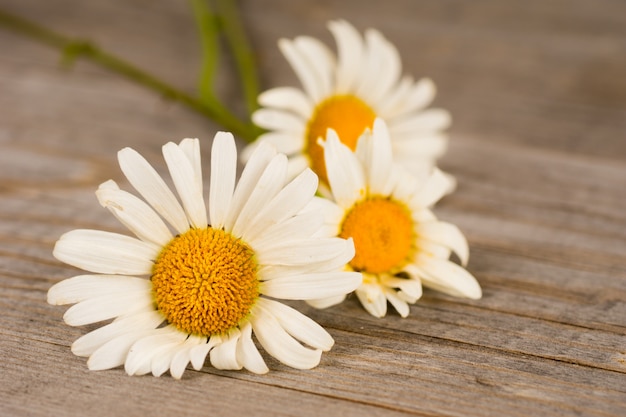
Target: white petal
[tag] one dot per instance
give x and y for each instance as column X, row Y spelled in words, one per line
column 279, row 344
column 432, row 248
column 90, row 342
column 452, row 183
column 333, row 216
column 320, row 60
column 372, row 299
column 390, row 70
column 175, row 355
column 322, row 303
column 279, row 120
column 380, row 159
column 144, row 350
column 198, row 353
column 248, row 150
column 114, row 352
column 289, row 99
column 431, row 120
column 422, row 215
column 412, row 287
column 133, row 213
column 449, row 278
column 298, row 325
column 188, row 183
column 447, row 235
column 332, row 264
column 288, row 202
column 312, row 286
column 296, row 165
column 284, row 142
column 406, row 297
column 183, row 356
column 415, row 147
column 345, row 173
column 191, row 148
column 252, row 171
column 303, row 225
column 82, row 287
column 421, row 95
column 382, row 67
column 406, row 186
column 224, row 354
column 105, row 252
column 435, row 188
column 223, row 173
column 303, row 251
column 270, row 183
column 106, row 307
column 304, row 70
column 151, row 186
column 388, row 107
column 398, row 303
column 162, row 360
column 349, row 55
column 247, row 354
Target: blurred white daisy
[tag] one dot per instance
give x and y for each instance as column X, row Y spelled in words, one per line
column 347, row 92
column 400, row 245
column 203, row 286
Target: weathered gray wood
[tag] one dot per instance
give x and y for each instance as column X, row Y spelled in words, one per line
column 538, row 145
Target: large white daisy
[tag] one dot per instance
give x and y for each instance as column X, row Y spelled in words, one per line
column 204, row 284
column 399, row 243
column 346, row 92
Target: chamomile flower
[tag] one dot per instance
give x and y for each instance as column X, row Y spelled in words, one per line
column 346, row 92
column 400, row 245
column 205, row 283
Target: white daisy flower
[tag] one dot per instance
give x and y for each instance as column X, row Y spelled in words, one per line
column 400, row 245
column 180, row 293
column 347, row 92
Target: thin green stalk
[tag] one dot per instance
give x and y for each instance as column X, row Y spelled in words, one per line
column 209, row 30
column 237, row 39
column 75, row 48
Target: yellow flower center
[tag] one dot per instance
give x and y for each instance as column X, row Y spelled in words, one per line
column 382, row 230
column 348, row 115
column 205, row 281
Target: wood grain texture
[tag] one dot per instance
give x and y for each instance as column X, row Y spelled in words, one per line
column 538, row 95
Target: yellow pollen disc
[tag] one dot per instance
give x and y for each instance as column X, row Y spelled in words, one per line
column 205, row 281
column 382, row 230
column 348, row 115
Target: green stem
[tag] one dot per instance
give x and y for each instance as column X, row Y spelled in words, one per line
column 208, row 28
column 242, row 52
column 75, row 48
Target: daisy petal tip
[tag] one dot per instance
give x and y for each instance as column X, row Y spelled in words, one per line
column 475, row 293
column 189, row 141
column 100, row 363
column 177, row 376
column 125, row 152
column 108, row 185
column 329, row 345
column 257, row 368
column 285, row 45
column 427, row 83
column 71, row 319
column 78, row 350
column 350, row 248
column 54, row 296
column 261, row 371
column 222, row 135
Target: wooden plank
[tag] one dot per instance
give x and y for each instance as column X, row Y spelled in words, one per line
column 539, row 105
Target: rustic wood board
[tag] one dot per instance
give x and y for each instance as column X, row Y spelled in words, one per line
column 538, row 95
